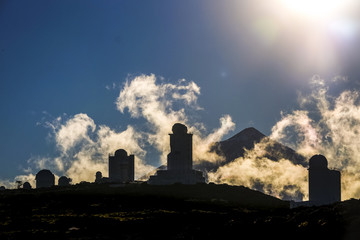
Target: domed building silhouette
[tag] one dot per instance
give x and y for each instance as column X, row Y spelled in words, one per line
column 64, row 181
column 27, row 185
column 98, row 177
column 121, row 167
column 324, row 184
column 44, row 178
column 179, row 160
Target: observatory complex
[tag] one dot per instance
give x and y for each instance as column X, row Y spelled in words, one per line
column 64, row 181
column 45, row 178
column 121, row 167
column 179, row 161
column 324, row 184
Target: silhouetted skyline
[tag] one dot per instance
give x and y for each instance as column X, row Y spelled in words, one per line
column 121, row 167
column 80, row 80
column 324, row 184
column 179, row 160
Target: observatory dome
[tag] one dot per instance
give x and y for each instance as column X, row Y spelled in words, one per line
column 179, row 128
column 44, row 173
column 120, row 153
column 318, row 162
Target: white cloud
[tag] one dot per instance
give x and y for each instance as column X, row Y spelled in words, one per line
column 325, row 125
column 334, row 131
column 203, row 143
column 278, row 178
column 74, row 131
column 83, row 146
column 155, row 102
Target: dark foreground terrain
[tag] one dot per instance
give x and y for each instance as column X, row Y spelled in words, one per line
column 140, row 211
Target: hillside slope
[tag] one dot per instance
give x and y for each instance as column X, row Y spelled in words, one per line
column 235, row 146
column 140, row 211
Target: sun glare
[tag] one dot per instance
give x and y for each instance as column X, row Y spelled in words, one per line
column 321, row 9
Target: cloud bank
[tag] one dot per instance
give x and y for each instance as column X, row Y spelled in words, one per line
column 155, row 102
column 324, row 124
column 255, row 170
column 330, row 126
column 83, row 146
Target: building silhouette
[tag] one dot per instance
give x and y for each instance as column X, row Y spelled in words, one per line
column 121, row 167
column 44, row 178
column 98, row 177
column 27, row 185
column 179, row 160
column 64, row 181
column 324, row 184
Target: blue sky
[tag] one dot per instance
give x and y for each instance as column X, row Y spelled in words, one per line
column 250, row 60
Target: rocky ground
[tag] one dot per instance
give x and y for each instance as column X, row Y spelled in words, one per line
column 140, row 211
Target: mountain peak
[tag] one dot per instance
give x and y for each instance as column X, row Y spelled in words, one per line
column 248, row 134
column 235, row 146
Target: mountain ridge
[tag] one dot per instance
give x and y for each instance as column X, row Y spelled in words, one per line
column 234, row 147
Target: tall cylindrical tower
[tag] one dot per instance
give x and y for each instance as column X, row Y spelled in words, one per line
column 180, row 156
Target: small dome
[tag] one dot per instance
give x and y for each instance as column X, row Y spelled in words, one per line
column 120, row 153
column 179, row 128
column 64, row 181
column 44, row 173
column 63, row 178
column 26, row 185
column 318, row 162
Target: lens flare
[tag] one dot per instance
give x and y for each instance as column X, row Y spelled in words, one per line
column 316, row 8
